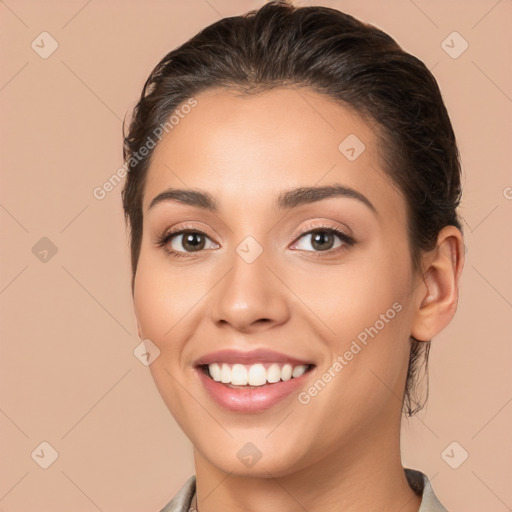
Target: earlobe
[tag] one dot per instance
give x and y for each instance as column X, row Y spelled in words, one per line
column 437, row 298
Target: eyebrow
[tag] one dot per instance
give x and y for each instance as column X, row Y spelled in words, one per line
column 286, row 200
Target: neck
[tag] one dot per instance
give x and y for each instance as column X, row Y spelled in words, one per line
column 366, row 473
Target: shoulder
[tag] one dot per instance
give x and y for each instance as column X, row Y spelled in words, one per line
column 421, row 485
column 418, row 481
column 181, row 502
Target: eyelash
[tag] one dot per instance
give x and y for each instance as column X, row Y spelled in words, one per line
column 347, row 240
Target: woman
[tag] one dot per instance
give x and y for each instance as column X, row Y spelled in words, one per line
column 292, row 192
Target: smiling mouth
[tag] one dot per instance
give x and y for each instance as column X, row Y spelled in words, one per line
column 243, row 376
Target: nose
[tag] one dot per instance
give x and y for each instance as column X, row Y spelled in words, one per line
column 249, row 297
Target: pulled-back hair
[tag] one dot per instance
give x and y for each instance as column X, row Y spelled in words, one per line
column 331, row 53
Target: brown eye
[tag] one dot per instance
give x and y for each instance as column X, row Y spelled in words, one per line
column 190, row 241
column 185, row 241
column 323, row 239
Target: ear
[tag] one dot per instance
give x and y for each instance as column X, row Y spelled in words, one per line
column 437, row 297
column 139, row 331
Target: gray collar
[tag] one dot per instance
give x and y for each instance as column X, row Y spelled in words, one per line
column 418, row 481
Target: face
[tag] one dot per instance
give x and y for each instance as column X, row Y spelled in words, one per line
column 249, row 281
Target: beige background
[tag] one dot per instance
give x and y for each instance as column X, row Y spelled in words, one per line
column 68, row 374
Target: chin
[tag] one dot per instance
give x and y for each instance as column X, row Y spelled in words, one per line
column 251, row 458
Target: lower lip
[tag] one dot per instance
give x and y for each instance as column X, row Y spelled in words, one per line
column 250, row 400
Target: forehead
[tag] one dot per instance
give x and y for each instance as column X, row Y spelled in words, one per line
column 253, row 147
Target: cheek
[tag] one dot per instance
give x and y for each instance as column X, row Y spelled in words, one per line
column 350, row 297
column 161, row 305
column 363, row 315
column 149, row 303
column 163, row 298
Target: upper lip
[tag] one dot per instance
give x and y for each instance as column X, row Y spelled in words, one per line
column 249, row 357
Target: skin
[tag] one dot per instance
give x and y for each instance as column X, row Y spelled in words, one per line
column 341, row 451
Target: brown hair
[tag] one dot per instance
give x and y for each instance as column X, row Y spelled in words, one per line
column 331, row 53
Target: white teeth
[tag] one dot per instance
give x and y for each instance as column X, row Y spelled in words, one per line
column 239, row 375
column 254, row 375
column 215, row 371
column 286, row 372
column 273, row 373
column 299, row 370
column 225, row 374
column 257, row 375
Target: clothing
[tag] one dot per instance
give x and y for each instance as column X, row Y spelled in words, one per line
column 418, row 481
